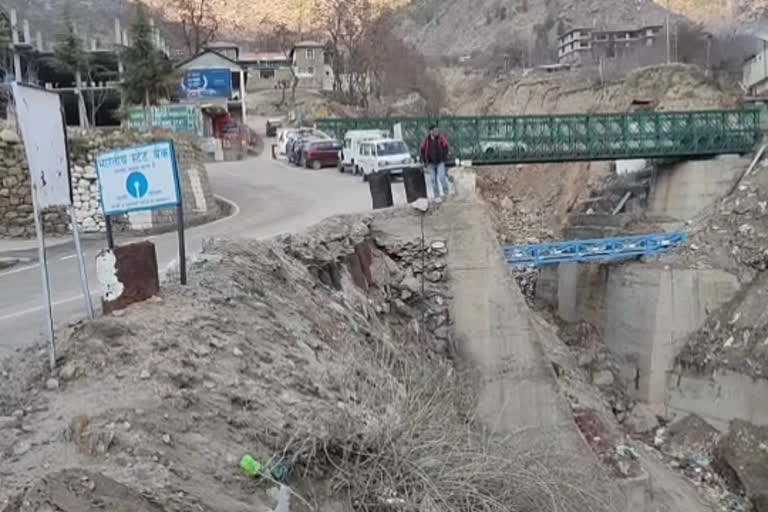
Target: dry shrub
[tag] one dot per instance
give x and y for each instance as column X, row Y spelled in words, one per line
column 408, row 440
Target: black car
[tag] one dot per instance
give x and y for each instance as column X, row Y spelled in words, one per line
column 272, row 126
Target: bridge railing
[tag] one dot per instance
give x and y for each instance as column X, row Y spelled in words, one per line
column 554, row 138
column 600, row 250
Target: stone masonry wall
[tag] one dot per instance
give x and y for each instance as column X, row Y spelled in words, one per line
column 16, row 217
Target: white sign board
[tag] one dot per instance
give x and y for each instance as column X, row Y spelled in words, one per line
column 38, row 113
column 142, row 178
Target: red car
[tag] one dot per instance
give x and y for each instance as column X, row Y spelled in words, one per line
column 321, row 153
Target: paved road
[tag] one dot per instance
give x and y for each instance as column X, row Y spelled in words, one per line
column 271, row 198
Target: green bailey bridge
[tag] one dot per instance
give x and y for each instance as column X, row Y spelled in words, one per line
column 575, row 137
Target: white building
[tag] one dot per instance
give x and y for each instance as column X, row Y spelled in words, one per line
column 755, row 71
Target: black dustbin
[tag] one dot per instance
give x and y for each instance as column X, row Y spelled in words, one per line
column 380, row 184
column 415, row 183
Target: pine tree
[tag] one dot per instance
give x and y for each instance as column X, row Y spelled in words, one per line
column 149, row 74
column 70, row 55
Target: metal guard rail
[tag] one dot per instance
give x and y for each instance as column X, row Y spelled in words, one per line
column 600, row 250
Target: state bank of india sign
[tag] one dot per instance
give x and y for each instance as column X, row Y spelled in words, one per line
column 139, row 178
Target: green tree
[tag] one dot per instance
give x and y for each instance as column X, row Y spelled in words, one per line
column 149, row 75
column 5, row 44
column 70, row 56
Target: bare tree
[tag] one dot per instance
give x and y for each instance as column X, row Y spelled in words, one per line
column 368, row 57
column 347, row 23
column 199, row 22
column 286, row 41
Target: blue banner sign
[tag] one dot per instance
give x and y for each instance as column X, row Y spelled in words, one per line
column 206, row 83
column 142, row 178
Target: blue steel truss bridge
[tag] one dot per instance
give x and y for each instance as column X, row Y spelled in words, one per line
column 600, row 250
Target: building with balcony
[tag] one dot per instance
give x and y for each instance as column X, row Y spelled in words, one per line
column 589, row 46
column 311, row 65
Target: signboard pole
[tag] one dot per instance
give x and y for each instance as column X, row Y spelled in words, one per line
column 179, row 219
column 182, row 247
column 42, row 127
column 81, row 264
column 44, row 280
column 76, row 231
column 110, row 236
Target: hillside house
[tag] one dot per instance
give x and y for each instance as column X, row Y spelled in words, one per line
column 266, row 69
column 755, row 70
column 311, row 65
column 642, row 46
column 225, row 48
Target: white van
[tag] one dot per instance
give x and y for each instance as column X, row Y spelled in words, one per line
column 350, row 153
column 384, row 155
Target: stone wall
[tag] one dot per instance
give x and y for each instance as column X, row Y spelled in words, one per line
column 16, row 218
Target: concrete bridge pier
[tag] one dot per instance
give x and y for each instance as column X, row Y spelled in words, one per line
column 646, row 311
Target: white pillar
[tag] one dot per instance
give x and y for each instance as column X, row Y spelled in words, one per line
column 118, row 32
column 39, row 41
column 27, row 33
column 17, row 67
column 243, row 108
column 125, row 38
column 14, row 27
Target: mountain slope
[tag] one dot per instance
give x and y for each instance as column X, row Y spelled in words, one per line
column 721, row 12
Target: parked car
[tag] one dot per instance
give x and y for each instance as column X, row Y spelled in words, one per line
column 272, row 126
column 384, row 155
column 320, row 153
column 294, row 150
column 287, row 134
column 349, row 155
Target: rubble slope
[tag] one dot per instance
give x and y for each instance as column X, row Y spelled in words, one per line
column 272, row 350
column 325, row 355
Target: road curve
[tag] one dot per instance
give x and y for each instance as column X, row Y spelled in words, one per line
column 271, row 197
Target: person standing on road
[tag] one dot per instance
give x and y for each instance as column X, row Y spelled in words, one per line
column 434, row 154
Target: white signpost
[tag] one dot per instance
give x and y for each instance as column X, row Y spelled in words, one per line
column 40, row 119
column 139, row 179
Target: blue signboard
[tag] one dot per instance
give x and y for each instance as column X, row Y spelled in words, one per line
column 141, row 178
column 206, row 84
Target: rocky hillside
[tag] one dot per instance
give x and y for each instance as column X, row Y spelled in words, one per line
column 456, row 28
column 718, row 12
column 439, row 27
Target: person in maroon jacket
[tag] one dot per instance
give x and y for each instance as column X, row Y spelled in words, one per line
column 434, row 154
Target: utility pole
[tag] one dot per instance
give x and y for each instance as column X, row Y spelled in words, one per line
column 669, row 46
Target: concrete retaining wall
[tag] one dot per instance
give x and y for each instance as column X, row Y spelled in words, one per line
column 685, row 189
column 645, row 313
column 718, row 398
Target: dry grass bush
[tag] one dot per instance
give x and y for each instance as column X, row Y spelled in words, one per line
column 423, row 450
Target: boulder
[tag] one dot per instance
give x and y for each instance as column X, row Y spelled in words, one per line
column 641, row 418
column 741, row 458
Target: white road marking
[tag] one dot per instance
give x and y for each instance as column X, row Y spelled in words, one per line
column 235, row 213
column 35, row 309
column 17, row 314
column 20, row 269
